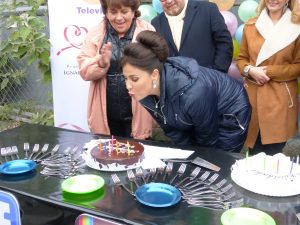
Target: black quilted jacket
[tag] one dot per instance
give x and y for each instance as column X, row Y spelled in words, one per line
column 200, row 106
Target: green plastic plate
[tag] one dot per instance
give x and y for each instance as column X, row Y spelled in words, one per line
column 82, row 184
column 246, row 216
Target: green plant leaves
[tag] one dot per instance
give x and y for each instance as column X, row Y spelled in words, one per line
column 27, row 39
column 24, row 32
column 4, row 83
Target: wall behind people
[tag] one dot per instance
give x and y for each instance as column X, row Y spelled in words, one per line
column 69, row 22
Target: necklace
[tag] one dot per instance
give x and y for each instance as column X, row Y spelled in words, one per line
column 156, row 102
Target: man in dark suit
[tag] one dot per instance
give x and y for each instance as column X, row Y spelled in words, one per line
column 196, row 29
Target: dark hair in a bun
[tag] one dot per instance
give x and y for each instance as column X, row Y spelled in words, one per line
column 148, row 53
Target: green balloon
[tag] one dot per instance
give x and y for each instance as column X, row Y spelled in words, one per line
column 147, row 12
column 236, row 48
column 247, row 10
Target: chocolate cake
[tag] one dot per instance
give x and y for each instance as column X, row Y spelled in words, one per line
column 120, row 152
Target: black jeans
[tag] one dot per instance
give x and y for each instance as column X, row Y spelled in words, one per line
column 269, row 149
column 120, row 128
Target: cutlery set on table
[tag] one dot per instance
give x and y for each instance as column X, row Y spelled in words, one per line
column 166, row 186
column 195, row 182
column 54, row 163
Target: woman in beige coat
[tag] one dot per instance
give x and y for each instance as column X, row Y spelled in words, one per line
column 269, row 60
column 110, row 108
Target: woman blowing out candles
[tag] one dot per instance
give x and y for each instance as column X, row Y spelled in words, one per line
column 192, row 104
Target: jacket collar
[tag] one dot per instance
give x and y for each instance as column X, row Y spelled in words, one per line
column 276, row 36
column 178, row 74
column 189, row 16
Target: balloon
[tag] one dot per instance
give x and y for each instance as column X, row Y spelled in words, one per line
column 147, row 12
column 234, row 72
column 239, row 33
column 156, row 4
column 223, row 4
column 231, row 21
column 236, row 48
column 247, row 10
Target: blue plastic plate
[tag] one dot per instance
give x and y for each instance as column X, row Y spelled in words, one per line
column 158, row 195
column 18, row 166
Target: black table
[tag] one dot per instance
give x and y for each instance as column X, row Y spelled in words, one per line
column 116, row 203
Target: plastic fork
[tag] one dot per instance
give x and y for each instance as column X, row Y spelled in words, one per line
column 159, row 171
column 9, row 152
column 211, row 179
column 150, row 175
column 140, row 174
column 198, row 182
column 53, row 151
column 180, row 171
column 15, row 151
column 34, row 150
column 132, row 177
column 118, row 182
column 4, row 153
column 193, row 175
column 26, row 149
column 168, row 171
column 44, row 149
column 219, row 184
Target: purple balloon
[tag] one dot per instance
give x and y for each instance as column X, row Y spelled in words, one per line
column 231, row 21
column 234, row 71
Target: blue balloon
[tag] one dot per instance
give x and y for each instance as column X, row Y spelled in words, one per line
column 147, row 12
column 156, row 4
column 239, row 33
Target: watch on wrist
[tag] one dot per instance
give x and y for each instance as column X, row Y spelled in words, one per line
column 247, row 69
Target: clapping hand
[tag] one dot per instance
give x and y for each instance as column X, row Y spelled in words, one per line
column 105, row 55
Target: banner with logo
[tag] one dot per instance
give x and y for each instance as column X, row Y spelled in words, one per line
column 69, row 21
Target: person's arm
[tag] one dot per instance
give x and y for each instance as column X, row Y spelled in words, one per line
column 258, row 74
column 286, row 72
column 222, row 40
column 93, row 64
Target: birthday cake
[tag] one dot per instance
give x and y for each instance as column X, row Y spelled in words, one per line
column 113, row 154
column 268, row 175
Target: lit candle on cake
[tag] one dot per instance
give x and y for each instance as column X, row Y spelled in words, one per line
column 117, row 148
column 112, row 139
column 128, row 148
column 291, row 171
column 265, row 159
column 277, row 166
column 104, row 147
column 247, row 159
column 112, row 142
column 100, row 147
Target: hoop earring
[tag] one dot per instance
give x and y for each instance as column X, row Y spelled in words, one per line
column 154, row 84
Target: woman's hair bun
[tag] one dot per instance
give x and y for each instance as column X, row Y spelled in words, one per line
column 155, row 42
